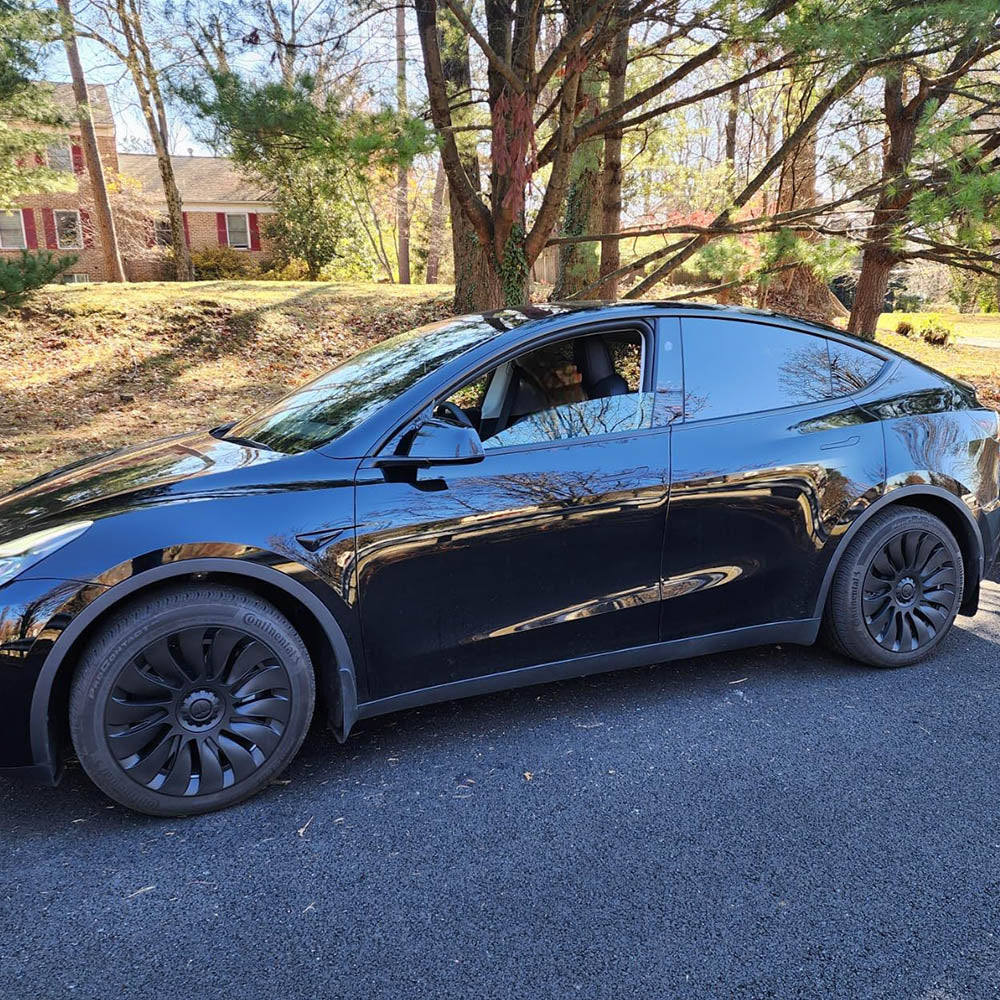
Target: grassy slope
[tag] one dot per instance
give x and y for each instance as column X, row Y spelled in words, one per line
column 86, row 368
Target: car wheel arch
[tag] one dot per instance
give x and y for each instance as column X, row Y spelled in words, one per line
column 318, row 627
column 949, row 509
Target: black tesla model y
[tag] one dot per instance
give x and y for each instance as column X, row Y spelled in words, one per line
column 486, row 502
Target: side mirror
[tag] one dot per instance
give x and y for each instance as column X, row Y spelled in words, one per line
column 436, row 442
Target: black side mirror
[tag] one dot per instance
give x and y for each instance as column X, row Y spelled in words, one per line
column 436, row 442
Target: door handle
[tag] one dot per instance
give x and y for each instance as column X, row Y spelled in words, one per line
column 844, row 443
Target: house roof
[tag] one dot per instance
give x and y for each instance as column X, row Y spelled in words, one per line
column 199, row 178
column 100, row 106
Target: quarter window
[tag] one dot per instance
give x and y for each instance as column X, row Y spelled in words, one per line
column 11, row 231
column 238, row 231
column 68, row 235
column 733, row 367
column 851, row 369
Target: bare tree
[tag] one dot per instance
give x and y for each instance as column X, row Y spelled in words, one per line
column 91, row 153
column 402, row 171
column 118, row 25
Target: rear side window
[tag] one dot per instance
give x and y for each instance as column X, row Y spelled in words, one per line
column 733, row 367
column 851, row 369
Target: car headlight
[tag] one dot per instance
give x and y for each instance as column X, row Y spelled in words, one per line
column 18, row 555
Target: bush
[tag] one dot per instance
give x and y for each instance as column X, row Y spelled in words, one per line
column 935, row 331
column 904, row 329
column 223, row 262
column 20, row 276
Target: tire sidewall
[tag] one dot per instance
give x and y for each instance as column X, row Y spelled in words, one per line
column 143, row 623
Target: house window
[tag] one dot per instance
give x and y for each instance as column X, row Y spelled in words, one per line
column 11, row 231
column 68, row 232
column 161, row 233
column 238, row 231
column 60, row 158
column 76, row 278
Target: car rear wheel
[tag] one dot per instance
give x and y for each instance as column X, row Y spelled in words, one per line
column 896, row 590
column 190, row 700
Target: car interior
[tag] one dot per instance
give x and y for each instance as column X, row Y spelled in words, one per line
column 570, row 388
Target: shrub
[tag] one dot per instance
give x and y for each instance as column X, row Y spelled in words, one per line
column 214, row 263
column 935, row 331
column 904, row 328
column 20, row 276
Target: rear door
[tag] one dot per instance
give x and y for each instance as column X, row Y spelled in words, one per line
column 546, row 550
column 771, row 463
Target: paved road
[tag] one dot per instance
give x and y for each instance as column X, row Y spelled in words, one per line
column 777, row 823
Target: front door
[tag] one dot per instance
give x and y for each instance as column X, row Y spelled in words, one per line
column 546, row 550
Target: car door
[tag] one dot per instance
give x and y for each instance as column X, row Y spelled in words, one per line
column 774, row 458
column 546, row 550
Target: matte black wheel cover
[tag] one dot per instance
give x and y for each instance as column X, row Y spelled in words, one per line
column 198, row 711
column 910, row 591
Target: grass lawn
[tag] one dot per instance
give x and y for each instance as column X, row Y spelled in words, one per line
column 86, row 368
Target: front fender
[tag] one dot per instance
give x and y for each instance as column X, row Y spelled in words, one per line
column 52, row 619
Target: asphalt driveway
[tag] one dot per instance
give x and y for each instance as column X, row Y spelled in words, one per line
column 775, row 823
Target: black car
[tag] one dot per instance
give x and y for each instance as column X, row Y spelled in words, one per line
column 483, row 503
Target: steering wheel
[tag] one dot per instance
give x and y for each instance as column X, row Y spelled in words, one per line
column 455, row 412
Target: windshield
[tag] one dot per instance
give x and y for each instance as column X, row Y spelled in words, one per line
column 334, row 403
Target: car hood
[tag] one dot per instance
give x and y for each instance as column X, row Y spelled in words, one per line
column 170, row 468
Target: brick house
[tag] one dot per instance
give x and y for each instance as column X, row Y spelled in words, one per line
column 220, row 207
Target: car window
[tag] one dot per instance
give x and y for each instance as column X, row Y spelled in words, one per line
column 573, row 388
column 733, row 367
column 851, row 369
column 333, row 404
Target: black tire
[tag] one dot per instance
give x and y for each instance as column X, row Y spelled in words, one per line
column 191, row 700
column 896, row 590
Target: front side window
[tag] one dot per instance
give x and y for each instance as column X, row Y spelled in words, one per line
column 68, row 234
column 238, row 232
column 574, row 388
column 733, row 367
column 60, row 158
column 11, row 231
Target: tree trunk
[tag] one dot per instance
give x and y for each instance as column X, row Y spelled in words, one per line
column 477, row 279
column 869, row 297
column 436, row 237
column 91, row 154
column 144, row 76
column 402, row 172
column 477, row 284
column 578, row 262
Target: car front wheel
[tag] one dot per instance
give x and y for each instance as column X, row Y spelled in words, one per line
column 190, row 700
column 896, row 590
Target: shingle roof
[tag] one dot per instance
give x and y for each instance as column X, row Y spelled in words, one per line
column 100, row 106
column 199, row 178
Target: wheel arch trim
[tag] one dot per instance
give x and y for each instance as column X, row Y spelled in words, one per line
column 343, row 665
column 900, row 495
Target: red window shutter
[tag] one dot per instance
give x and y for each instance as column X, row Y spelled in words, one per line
column 254, row 232
column 30, row 234
column 86, row 228
column 220, row 225
column 77, row 160
column 187, row 229
column 49, row 225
